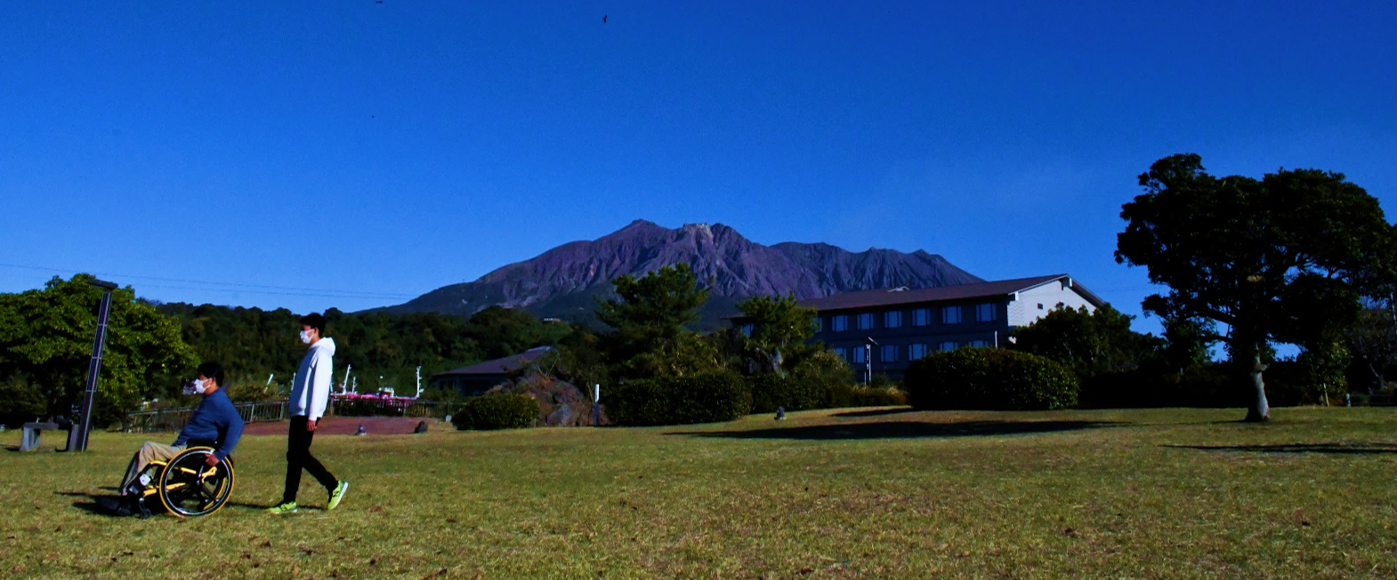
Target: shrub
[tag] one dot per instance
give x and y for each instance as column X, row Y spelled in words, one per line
column 702, row 398
column 791, row 393
column 990, row 379
column 843, row 396
column 497, row 411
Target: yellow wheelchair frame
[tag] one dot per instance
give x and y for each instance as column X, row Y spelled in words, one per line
column 187, row 486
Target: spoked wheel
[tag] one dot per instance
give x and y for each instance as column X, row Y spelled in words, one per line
column 190, row 487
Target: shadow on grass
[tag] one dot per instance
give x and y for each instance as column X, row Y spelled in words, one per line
column 1328, row 448
column 875, row 412
column 906, row 430
column 100, row 505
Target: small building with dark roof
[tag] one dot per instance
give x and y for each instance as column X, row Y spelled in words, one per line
column 479, row 378
column 882, row 331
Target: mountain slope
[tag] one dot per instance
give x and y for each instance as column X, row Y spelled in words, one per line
column 562, row 282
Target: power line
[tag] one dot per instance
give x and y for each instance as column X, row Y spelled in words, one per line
column 204, row 285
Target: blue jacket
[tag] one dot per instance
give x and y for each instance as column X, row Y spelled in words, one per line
column 215, row 421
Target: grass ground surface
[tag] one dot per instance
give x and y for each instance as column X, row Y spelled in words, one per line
column 872, row 493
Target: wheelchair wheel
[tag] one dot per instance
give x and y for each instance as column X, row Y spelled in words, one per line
column 189, row 487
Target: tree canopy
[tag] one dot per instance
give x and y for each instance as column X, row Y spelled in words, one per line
column 779, row 328
column 1282, row 258
column 46, row 343
column 649, row 318
column 1089, row 343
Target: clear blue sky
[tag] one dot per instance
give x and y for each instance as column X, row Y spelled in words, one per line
column 355, row 154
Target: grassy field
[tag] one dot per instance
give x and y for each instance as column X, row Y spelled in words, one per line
column 850, row 493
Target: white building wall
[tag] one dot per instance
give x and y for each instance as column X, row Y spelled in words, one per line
column 1038, row 302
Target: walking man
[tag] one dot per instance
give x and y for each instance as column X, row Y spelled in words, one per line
column 309, row 394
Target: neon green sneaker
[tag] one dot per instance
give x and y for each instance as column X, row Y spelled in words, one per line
column 337, row 495
column 286, row 508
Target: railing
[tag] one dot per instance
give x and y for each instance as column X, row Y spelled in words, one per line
column 174, row 419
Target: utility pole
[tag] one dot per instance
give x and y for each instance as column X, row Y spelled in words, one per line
column 77, row 439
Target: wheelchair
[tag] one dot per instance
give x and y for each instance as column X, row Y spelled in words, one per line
column 186, row 485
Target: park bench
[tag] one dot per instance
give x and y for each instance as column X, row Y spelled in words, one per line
column 29, row 439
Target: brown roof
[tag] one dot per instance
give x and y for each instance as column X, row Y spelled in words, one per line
column 867, row 298
column 500, row 366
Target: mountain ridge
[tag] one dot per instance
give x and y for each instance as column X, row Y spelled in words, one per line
column 561, row 282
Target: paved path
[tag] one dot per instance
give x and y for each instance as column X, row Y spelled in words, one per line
column 349, row 425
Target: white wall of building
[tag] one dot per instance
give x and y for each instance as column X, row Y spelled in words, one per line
column 1037, row 302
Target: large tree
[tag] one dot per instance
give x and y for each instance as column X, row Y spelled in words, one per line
column 46, row 343
column 778, row 331
column 1274, row 259
column 650, row 316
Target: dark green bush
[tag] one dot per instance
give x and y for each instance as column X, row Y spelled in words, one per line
column 771, row 390
column 497, row 411
column 702, row 398
column 990, row 379
column 843, row 396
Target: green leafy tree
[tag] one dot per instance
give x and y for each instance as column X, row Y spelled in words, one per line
column 1275, row 259
column 649, row 318
column 779, row 329
column 1373, row 340
column 46, row 344
column 1089, row 343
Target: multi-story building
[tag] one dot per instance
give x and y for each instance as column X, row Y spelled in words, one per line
column 882, row 331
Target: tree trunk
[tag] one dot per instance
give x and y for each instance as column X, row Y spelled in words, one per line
column 1260, row 411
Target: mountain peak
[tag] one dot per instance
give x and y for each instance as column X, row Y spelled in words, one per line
column 562, row 282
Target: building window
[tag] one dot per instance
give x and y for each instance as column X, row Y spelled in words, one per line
column 979, row 343
column 950, row 315
column 746, row 330
column 948, row 346
column 841, row 352
column 840, row 323
column 858, row 354
column 866, row 321
column 889, row 353
column 818, row 325
column 892, row 319
column 985, row 312
column 916, row 351
column 921, row 317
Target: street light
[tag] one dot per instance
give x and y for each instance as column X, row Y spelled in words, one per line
column 868, row 359
column 77, row 438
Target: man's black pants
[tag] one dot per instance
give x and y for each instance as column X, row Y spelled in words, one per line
column 298, row 457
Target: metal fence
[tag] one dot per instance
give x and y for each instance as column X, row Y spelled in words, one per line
column 174, row 419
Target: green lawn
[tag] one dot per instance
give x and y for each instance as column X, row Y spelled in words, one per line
column 863, row 493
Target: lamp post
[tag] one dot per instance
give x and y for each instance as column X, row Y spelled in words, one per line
column 868, row 359
column 77, row 438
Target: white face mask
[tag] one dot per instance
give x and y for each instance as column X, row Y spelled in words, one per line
column 305, row 336
column 195, row 387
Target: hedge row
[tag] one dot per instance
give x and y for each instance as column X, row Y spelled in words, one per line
column 702, row 398
column 497, row 411
column 989, row 379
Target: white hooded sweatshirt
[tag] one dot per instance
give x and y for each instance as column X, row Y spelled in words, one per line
column 311, row 390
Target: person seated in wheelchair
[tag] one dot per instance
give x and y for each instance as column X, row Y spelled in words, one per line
column 215, row 423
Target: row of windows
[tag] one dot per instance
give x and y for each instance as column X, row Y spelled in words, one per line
column 893, row 352
column 920, row 317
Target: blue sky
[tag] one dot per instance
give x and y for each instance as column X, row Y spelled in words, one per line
column 356, row 154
